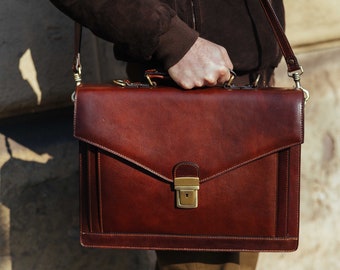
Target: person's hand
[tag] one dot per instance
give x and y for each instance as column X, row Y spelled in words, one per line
column 205, row 64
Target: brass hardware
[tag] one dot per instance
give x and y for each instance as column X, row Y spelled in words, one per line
column 128, row 84
column 121, row 83
column 256, row 82
column 186, row 192
column 77, row 68
column 151, row 74
column 76, row 74
column 305, row 93
column 296, row 75
column 229, row 83
column 151, row 82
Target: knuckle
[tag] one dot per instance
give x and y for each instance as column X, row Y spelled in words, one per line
column 223, row 71
column 198, row 83
column 186, row 85
column 210, row 80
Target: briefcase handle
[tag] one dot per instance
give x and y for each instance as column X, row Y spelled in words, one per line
column 293, row 67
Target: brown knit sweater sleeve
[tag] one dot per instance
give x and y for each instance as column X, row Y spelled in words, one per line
column 144, row 28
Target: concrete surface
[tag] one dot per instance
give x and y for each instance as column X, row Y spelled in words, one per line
column 36, row 53
column 320, row 180
column 39, row 200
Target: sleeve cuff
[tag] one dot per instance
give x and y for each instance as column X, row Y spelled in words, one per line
column 175, row 43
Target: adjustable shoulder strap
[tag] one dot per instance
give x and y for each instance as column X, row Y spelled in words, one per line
column 294, row 69
column 286, row 49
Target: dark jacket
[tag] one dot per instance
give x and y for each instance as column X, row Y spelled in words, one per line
column 166, row 29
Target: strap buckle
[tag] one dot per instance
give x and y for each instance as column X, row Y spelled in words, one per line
column 296, row 75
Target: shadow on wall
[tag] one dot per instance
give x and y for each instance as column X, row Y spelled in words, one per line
column 36, row 52
column 38, row 155
column 33, row 57
column 39, row 187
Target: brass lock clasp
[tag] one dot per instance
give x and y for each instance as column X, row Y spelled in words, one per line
column 187, row 192
column 186, row 184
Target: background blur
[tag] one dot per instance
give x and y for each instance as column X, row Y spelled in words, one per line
column 38, row 155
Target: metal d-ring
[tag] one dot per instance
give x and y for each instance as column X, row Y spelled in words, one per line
column 228, row 83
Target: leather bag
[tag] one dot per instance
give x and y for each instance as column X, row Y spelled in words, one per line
column 213, row 169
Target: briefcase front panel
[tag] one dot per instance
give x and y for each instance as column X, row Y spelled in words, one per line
column 246, row 144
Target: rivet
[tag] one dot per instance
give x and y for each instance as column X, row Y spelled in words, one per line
column 291, row 61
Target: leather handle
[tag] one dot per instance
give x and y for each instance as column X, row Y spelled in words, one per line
column 293, row 66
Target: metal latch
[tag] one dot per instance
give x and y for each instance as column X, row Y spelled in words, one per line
column 186, row 191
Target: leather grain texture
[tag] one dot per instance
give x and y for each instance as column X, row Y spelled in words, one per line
column 246, row 144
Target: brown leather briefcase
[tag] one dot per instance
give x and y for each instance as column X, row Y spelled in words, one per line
column 200, row 170
column 213, row 169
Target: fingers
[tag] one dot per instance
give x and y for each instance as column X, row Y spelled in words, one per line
column 222, row 75
column 205, row 64
column 189, row 83
column 183, row 77
column 227, row 60
column 192, row 80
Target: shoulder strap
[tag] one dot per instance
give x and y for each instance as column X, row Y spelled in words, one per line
column 293, row 67
column 286, row 49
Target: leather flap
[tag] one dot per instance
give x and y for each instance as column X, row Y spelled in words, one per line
column 215, row 128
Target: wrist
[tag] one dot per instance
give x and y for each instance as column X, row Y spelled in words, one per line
column 175, row 43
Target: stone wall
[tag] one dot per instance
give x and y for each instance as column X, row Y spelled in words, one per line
column 36, row 48
column 320, row 181
column 38, row 172
column 314, row 30
column 38, row 155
